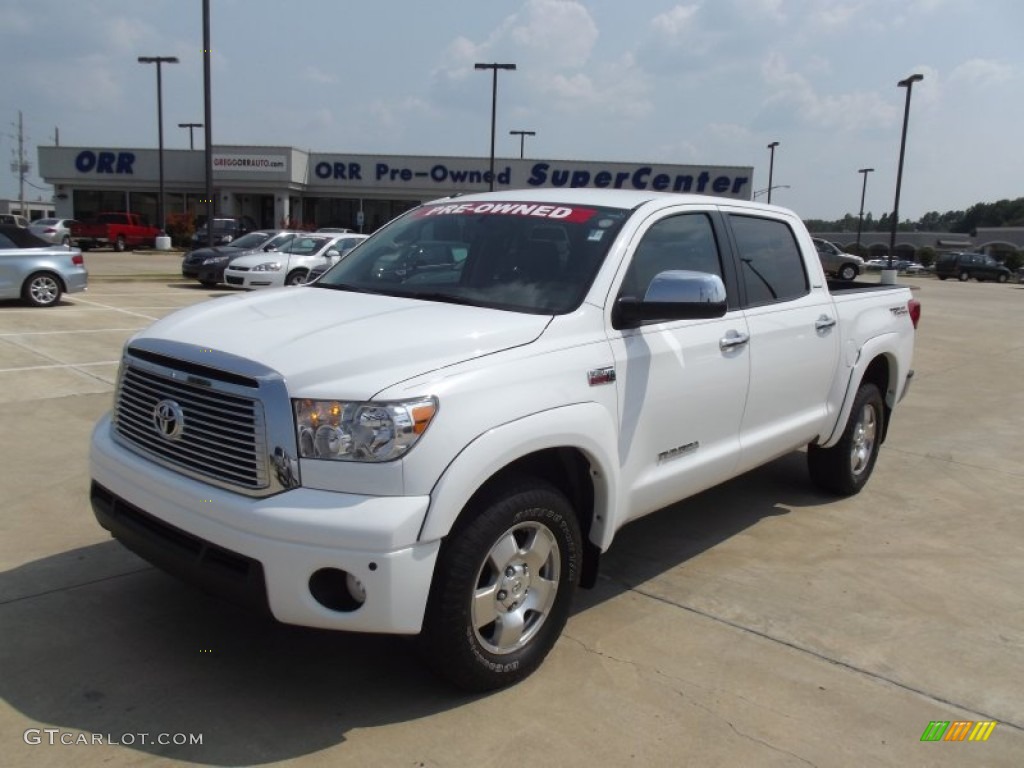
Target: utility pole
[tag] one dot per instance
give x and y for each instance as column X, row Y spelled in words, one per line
column 21, row 166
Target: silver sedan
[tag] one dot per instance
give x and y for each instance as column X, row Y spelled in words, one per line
column 36, row 271
column 56, row 231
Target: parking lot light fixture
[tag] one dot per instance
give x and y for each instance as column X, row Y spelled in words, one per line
column 190, row 126
column 771, row 168
column 860, row 217
column 522, row 139
column 494, row 105
column 159, row 60
column 909, row 85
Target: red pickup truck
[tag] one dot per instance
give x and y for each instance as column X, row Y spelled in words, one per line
column 118, row 230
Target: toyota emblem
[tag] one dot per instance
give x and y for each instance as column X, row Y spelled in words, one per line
column 169, row 419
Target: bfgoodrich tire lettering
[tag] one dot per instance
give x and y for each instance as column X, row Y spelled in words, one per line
column 845, row 468
column 503, row 586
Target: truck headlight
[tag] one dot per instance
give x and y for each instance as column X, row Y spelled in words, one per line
column 347, row 431
column 268, row 266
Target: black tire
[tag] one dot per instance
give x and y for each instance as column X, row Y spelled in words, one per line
column 208, row 283
column 964, row 277
column 119, row 244
column 66, row 241
column 844, row 468
column 942, row 277
column 42, row 289
column 503, row 586
column 1002, row 278
column 848, row 272
column 296, row 277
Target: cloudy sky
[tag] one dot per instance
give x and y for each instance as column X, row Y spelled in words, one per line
column 704, row 81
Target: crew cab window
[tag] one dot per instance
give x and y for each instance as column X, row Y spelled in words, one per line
column 686, row 241
column 771, row 265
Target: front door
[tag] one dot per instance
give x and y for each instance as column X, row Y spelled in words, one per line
column 682, row 384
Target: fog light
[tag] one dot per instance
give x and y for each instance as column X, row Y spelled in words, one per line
column 337, row 590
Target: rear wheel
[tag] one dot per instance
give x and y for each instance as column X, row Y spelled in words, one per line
column 844, row 468
column 208, row 283
column 66, row 241
column 119, row 244
column 503, row 586
column 964, row 277
column 42, row 289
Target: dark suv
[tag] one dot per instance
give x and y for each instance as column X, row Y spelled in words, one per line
column 964, row 266
column 224, row 231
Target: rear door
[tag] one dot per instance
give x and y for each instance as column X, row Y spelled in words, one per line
column 794, row 336
column 681, row 384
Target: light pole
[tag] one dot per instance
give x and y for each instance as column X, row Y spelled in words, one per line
column 766, row 190
column 522, row 139
column 771, row 169
column 863, row 190
column 190, row 126
column 909, row 85
column 159, row 60
column 494, row 105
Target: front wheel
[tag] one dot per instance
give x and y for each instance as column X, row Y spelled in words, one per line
column 42, row 289
column 503, row 586
column 119, row 244
column 847, row 272
column 964, row 277
column 1002, row 278
column 844, row 468
column 297, row 277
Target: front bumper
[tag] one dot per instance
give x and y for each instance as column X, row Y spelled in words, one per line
column 263, row 552
column 253, row 280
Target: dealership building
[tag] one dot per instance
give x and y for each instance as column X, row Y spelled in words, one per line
column 285, row 186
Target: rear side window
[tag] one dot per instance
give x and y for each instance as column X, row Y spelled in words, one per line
column 771, row 265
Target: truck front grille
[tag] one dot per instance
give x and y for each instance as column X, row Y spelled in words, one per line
column 196, row 428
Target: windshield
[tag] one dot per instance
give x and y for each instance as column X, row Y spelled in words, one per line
column 251, row 240
column 525, row 257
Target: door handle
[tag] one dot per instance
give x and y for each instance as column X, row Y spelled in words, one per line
column 732, row 340
column 824, row 323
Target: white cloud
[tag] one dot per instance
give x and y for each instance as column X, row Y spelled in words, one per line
column 982, row 72
column 560, row 33
column 317, row 75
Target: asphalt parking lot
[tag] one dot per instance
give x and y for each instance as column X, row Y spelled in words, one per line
column 758, row 624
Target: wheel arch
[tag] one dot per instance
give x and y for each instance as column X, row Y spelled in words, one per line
column 878, row 365
column 580, row 468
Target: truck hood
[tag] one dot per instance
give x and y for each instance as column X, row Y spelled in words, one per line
column 339, row 344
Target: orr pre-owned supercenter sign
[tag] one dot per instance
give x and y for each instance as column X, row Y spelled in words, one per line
column 472, row 174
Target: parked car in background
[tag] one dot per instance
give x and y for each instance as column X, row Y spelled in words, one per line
column 334, row 230
column 36, row 271
column 207, row 264
column 118, row 229
column 964, row 266
column 289, row 265
column 57, row 231
column 836, row 261
column 344, row 245
column 224, row 230
column 13, row 220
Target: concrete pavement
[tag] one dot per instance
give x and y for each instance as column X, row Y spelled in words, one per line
column 759, row 623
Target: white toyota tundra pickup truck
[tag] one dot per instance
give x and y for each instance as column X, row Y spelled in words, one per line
column 441, row 435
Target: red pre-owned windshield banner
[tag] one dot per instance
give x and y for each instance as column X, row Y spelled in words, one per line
column 536, row 210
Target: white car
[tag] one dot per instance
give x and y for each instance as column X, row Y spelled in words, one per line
column 288, row 266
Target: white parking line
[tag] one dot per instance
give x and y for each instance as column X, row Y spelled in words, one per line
column 59, row 365
column 58, row 333
column 117, row 309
